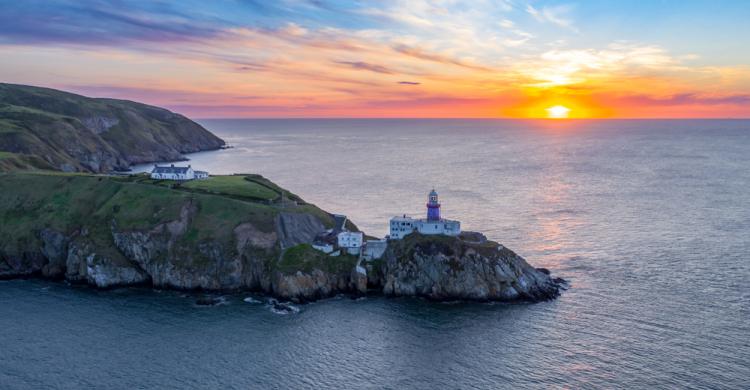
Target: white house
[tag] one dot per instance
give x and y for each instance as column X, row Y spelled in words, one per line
column 401, row 226
column 433, row 224
column 350, row 241
column 338, row 239
column 177, row 173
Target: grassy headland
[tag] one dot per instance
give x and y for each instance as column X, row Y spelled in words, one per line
column 91, row 206
column 70, row 132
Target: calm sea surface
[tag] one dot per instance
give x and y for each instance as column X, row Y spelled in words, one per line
column 648, row 220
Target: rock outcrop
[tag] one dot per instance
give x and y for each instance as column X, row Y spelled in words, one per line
column 294, row 228
column 438, row 268
column 309, row 286
column 448, row 268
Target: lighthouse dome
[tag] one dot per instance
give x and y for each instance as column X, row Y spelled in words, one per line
column 433, row 192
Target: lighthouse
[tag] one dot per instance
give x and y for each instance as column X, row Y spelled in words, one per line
column 402, row 226
column 433, row 206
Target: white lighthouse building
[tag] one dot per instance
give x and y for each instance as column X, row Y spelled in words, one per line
column 433, row 224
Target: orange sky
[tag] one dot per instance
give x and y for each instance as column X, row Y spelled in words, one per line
column 396, row 59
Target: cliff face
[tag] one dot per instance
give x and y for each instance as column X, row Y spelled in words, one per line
column 449, row 268
column 161, row 256
column 75, row 133
column 117, row 231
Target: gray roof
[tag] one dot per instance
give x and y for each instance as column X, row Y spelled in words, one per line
column 170, row 169
column 325, row 238
column 339, row 222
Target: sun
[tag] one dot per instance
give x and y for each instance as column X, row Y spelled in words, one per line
column 557, row 112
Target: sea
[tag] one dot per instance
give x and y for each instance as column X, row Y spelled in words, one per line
column 648, row 221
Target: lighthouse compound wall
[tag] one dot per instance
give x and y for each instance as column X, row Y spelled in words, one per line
column 402, row 226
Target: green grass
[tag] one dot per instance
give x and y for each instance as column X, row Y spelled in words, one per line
column 70, row 202
column 448, row 245
column 234, row 185
column 231, row 186
column 305, row 258
column 260, row 180
column 90, row 206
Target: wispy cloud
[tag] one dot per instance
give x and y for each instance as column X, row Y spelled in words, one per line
column 557, row 15
column 435, row 57
column 328, row 58
column 683, row 99
column 566, row 67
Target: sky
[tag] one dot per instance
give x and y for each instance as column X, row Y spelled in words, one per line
column 390, row 58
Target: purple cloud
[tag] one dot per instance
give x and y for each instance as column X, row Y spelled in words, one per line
column 409, row 82
column 365, row 66
column 99, row 23
column 427, row 101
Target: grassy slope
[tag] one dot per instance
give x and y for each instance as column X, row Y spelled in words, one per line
column 21, row 162
column 233, row 186
column 305, row 258
column 62, row 128
column 69, row 203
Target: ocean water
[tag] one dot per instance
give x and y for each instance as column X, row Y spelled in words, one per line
column 649, row 221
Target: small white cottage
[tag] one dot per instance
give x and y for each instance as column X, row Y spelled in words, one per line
column 339, row 239
column 350, row 241
column 172, row 172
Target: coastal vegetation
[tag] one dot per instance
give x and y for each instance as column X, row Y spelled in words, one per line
column 67, row 202
column 71, row 132
column 122, row 230
column 305, row 258
column 251, row 187
column 22, row 162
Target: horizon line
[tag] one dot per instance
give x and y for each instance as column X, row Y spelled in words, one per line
column 467, row 118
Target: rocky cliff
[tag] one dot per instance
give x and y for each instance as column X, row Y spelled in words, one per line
column 70, row 132
column 468, row 267
column 114, row 231
column 125, row 231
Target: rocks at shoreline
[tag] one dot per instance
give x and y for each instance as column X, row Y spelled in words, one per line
column 108, row 232
column 435, row 267
column 448, row 268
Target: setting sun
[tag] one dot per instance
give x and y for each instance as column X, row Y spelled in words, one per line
column 558, row 112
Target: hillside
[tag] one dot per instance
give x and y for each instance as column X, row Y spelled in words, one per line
column 107, row 230
column 69, row 132
column 239, row 232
